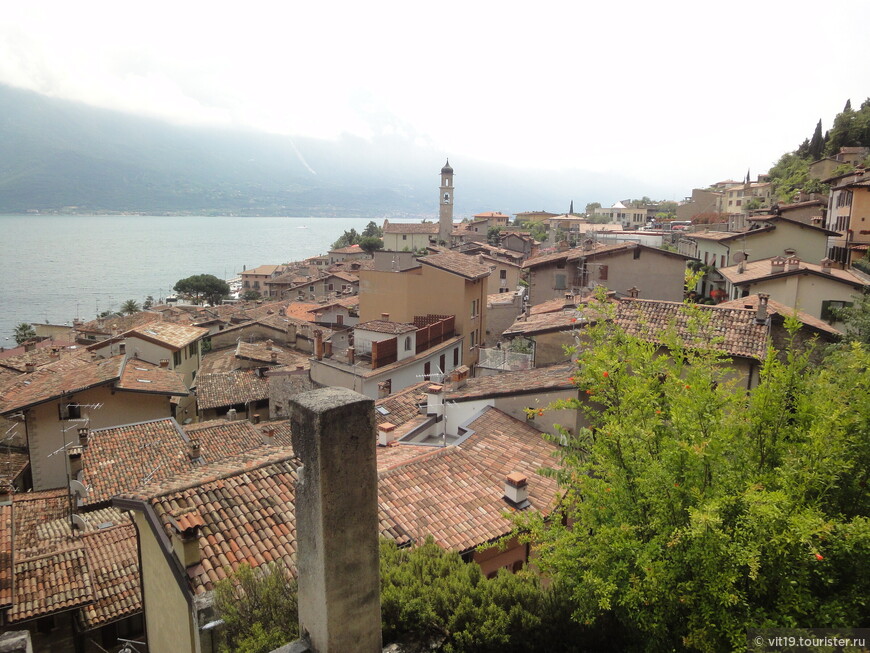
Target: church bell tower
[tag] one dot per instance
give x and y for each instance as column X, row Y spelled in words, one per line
column 445, row 204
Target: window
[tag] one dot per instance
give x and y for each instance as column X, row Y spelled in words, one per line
column 455, row 356
column 502, row 274
column 831, row 308
column 475, row 307
column 404, row 236
column 176, row 358
column 560, row 282
column 330, row 287
column 636, row 253
column 442, row 363
column 474, row 338
column 310, row 288
column 722, row 261
column 602, row 273
column 69, row 411
column 407, row 343
column 427, row 370
column 339, row 319
column 192, row 349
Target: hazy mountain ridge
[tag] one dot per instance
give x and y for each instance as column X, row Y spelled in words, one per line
column 56, row 154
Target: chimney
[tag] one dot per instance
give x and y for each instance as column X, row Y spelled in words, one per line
column 459, row 377
column 164, row 362
column 329, row 427
column 84, row 433
column 587, row 244
column 385, row 317
column 516, row 488
column 351, row 355
column 300, row 368
column 291, row 334
column 633, row 292
column 255, row 418
column 75, row 461
column 29, row 367
column 122, row 348
column 268, row 345
column 327, row 348
column 30, row 345
column 193, row 450
column 274, row 356
column 386, row 434
column 777, row 264
column 185, row 537
column 268, row 435
column 55, row 353
column 792, row 263
column 231, row 414
column 6, row 492
column 761, row 314
column 318, row 344
column 741, row 266
column 826, row 265
column 384, row 388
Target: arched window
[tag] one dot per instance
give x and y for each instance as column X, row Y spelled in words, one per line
column 407, row 343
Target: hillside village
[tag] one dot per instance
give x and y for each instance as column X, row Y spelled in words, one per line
column 143, row 453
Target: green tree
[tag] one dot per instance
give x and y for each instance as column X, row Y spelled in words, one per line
column 251, row 295
column 432, row 600
column 788, row 175
column 149, row 302
column 372, row 230
column 857, row 316
column 816, row 147
column 493, row 236
column 348, row 238
column 203, row 287
column 130, row 306
column 370, row 244
column 258, row 607
column 590, row 208
column 691, row 511
column 23, row 332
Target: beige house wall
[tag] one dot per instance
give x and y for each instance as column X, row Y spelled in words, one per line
column 168, row 618
column 46, row 433
column 805, row 292
column 495, row 282
column 425, row 290
column 401, row 242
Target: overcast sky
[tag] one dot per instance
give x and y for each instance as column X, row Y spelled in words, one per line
column 681, row 94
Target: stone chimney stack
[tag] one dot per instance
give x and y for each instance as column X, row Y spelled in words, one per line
column 633, row 292
column 274, row 356
column 792, row 263
column 75, row 461
column 386, row 433
column 6, row 492
column 516, row 488
column 268, row 345
column 318, row 344
column 777, row 264
column 761, row 314
column 193, row 450
column 826, row 265
column 351, row 355
column 29, row 367
column 337, row 529
column 164, row 362
column 385, row 317
column 84, row 433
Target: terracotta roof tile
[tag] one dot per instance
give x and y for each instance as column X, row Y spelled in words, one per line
column 455, row 493
column 757, row 270
column 508, row 383
column 776, row 308
column 229, row 388
column 5, row 555
column 402, row 406
column 464, row 266
column 411, row 228
column 50, row 583
column 63, row 377
column 385, row 326
column 139, row 376
column 261, row 352
column 113, row 561
column 173, row 336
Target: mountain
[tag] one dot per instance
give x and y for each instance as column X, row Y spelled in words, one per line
column 57, row 155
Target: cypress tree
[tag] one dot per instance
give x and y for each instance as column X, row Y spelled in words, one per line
column 817, row 143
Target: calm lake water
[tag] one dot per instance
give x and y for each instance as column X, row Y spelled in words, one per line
column 54, row 268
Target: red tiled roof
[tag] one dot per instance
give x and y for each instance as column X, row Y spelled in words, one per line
column 173, row 336
column 411, row 228
column 261, row 352
column 66, row 376
column 5, row 556
column 456, row 493
column 464, row 266
column 385, row 326
column 402, row 406
column 51, row 583
column 508, row 383
column 754, row 271
column 139, row 376
column 114, row 569
column 228, row 388
column 776, row 308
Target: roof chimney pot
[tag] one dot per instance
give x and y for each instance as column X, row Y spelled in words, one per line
column 516, row 488
column 761, row 314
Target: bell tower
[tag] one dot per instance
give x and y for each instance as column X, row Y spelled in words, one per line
column 445, row 205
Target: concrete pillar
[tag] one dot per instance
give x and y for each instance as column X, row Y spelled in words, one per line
column 333, row 433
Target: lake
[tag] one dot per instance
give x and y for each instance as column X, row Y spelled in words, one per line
column 56, row 267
